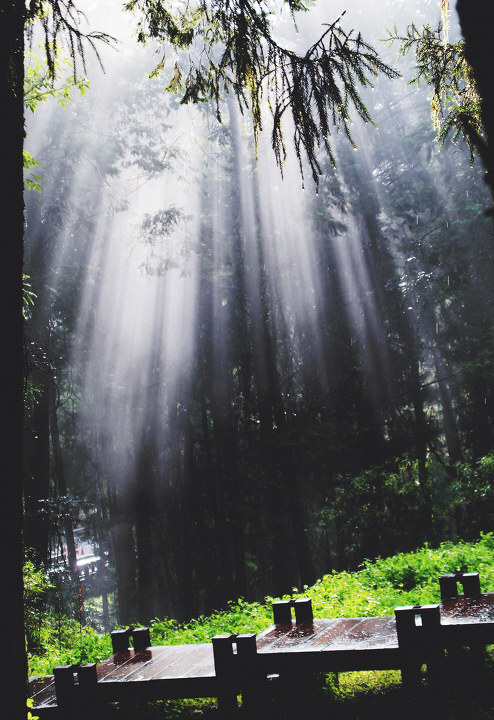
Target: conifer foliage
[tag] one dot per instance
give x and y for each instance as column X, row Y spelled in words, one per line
column 231, row 47
column 455, row 100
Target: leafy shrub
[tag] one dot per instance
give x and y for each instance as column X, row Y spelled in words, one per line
column 376, row 589
column 473, row 491
column 404, row 579
column 36, row 584
column 239, row 617
column 66, row 642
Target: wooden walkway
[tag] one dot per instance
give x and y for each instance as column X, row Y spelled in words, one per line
column 299, row 647
column 174, row 671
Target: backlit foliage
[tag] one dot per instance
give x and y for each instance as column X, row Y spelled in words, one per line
column 61, row 23
column 375, row 590
column 228, row 46
column 455, row 102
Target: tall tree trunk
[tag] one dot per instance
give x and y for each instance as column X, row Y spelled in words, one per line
column 421, row 433
column 450, row 424
column 13, row 664
column 60, row 475
column 477, row 25
column 124, row 555
column 37, row 456
column 481, row 430
column 144, row 507
column 37, row 471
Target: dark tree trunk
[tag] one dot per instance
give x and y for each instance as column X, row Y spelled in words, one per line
column 60, row 475
column 124, row 555
column 37, row 458
column 13, row 669
column 122, row 542
column 481, row 431
column 477, row 25
column 37, row 472
column 144, row 506
column 421, row 433
column 450, row 424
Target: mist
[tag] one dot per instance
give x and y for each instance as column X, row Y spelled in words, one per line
column 232, row 349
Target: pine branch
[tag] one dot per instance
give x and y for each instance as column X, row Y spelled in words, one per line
column 60, row 21
column 235, row 51
column 455, row 102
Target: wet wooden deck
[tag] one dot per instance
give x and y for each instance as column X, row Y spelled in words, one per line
column 236, row 663
column 161, row 672
column 189, row 670
column 340, row 644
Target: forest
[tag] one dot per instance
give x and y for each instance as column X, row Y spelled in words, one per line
column 257, row 347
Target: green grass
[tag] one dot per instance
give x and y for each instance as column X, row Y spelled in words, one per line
column 376, row 589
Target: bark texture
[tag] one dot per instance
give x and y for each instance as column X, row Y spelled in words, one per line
column 13, row 669
column 477, row 26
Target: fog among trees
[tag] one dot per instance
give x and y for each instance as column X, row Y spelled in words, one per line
column 241, row 370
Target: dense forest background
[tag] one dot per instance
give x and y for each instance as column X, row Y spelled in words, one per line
column 237, row 382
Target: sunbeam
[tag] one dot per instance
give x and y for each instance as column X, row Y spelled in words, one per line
column 232, row 344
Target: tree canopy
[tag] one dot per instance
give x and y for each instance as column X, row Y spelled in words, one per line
column 231, row 47
column 227, row 46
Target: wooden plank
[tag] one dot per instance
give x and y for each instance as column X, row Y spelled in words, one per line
column 205, row 665
column 272, row 634
column 116, row 660
column 370, row 632
column 473, row 611
column 451, row 607
column 467, row 634
column 165, row 662
column 158, row 689
column 324, row 631
column 365, row 633
column 119, row 670
column 188, row 661
column 146, row 660
column 42, row 690
column 175, row 671
column 338, row 659
column 161, row 659
column 280, row 636
column 345, row 659
column 335, row 645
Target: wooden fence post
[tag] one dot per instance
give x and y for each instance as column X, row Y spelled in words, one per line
column 448, row 586
column 282, row 612
column 141, row 639
column 120, row 641
column 406, row 629
column 225, row 668
column 471, row 584
column 418, row 629
column 65, row 688
column 303, row 611
column 88, row 690
column 433, row 646
column 476, row 657
column 252, row 683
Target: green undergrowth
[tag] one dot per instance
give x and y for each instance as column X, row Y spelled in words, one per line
column 375, row 589
column 403, row 579
column 62, row 641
